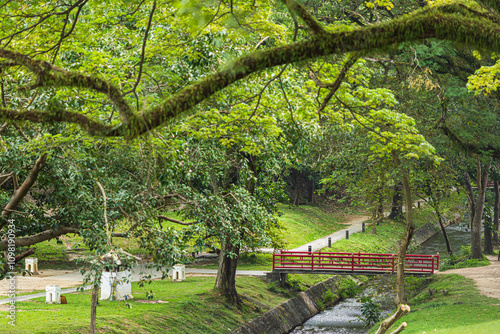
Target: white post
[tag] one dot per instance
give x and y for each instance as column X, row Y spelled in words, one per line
column 117, row 284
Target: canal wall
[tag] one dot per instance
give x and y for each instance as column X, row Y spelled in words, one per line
column 293, row 312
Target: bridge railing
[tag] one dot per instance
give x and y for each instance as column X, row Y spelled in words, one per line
column 360, row 262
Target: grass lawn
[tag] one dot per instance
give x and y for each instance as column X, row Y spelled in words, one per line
column 462, row 310
column 384, row 241
column 187, row 307
column 307, row 223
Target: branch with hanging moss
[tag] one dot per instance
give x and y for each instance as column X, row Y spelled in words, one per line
column 447, row 22
column 302, row 12
column 51, row 76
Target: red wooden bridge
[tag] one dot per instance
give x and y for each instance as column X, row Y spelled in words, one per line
column 352, row 263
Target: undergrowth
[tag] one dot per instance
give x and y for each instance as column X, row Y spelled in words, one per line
column 463, row 260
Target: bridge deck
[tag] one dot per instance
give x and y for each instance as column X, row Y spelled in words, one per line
column 352, row 263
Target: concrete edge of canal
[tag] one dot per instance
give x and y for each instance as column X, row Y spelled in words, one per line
column 293, row 312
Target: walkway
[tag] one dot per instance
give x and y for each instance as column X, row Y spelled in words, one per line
column 486, row 278
column 339, row 235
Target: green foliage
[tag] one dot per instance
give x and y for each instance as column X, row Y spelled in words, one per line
column 321, row 305
column 370, row 311
column 348, row 288
column 463, row 260
column 329, row 297
column 276, row 287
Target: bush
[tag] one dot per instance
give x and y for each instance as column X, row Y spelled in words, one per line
column 348, row 288
column 329, row 297
column 370, row 311
column 277, row 288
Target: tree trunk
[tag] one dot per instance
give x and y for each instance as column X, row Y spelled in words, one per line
column 93, row 308
column 470, row 198
column 225, row 283
column 409, row 230
column 397, row 202
column 488, row 236
column 495, row 209
column 311, row 191
column 475, row 242
column 443, row 229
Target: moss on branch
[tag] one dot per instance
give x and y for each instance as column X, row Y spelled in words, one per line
column 453, row 22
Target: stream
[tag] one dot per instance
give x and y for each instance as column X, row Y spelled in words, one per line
column 345, row 317
column 458, row 235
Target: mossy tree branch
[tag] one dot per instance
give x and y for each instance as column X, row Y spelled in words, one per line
column 302, row 12
column 448, row 22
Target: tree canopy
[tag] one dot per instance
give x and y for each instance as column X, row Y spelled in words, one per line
column 88, row 42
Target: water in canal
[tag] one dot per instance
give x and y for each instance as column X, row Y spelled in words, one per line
column 458, row 235
column 345, row 317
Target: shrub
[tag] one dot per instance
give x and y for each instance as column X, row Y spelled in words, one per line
column 370, row 311
column 348, row 288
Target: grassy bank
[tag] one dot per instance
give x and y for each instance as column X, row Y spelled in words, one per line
column 307, row 223
column 180, row 307
column 459, row 309
column 177, row 307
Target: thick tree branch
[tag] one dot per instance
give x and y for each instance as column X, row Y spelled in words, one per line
column 387, row 323
column 40, row 116
column 23, row 190
column 42, row 236
column 302, row 12
column 50, row 76
column 176, row 221
column 468, row 147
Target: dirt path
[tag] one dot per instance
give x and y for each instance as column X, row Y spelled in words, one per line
column 487, row 278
